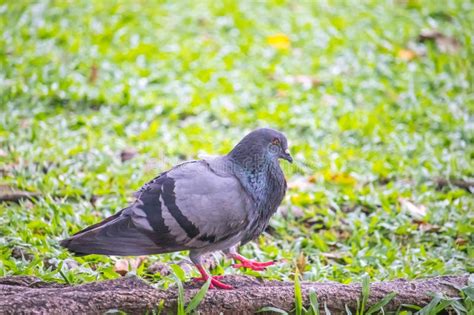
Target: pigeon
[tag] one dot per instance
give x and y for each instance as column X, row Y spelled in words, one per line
column 203, row 206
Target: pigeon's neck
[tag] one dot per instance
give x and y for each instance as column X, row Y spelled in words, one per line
column 258, row 175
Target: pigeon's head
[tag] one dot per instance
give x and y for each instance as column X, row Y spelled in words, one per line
column 262, row 143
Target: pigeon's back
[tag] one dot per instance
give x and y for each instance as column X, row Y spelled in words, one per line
column 195, row 205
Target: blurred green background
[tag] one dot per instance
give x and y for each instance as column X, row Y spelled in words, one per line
column 376, row 98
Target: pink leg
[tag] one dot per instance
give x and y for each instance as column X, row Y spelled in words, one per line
column 214, row 279
column 247, row 263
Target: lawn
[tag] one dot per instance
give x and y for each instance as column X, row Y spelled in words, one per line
column 98, row 97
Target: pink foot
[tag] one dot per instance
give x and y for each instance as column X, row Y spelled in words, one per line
column 215, row 283
column 254, row 265
column 202, row 278
column 247, row 263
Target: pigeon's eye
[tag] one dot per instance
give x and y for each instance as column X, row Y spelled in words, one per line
column 276, row 141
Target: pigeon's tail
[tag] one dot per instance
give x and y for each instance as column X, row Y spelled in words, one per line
column 116, row 235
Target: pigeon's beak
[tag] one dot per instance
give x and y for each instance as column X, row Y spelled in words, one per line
column 287, row 156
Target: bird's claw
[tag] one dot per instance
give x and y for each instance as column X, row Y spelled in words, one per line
column 205, row 279
column 215, row 283
column 253, row 265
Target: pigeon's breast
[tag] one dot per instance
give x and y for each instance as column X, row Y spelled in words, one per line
column 269, row 189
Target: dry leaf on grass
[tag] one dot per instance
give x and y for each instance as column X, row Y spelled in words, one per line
column 93, row 74
column 123, row 266
column 128, row 154
column 416, row 211
column 444, row 43
column 427, row 227
column 307, row 81
column 461, row 241
column 333, row 255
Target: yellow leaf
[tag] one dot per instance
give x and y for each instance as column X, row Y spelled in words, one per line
column 279, row 41
column 406, row 54
column 340, row 179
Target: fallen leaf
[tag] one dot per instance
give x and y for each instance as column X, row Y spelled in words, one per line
column 407, row 54
column 279, row 41
column 307, row 81
column 444, row 43
column 313, row 178
column 128, row 154
column 427, row 227
column 93, row 74
column 301, row 262
column 461, row 241
column 333, row 255
column 417, row 211
column 123, row 266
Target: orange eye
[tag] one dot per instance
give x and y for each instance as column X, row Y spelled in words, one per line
column 276, row 141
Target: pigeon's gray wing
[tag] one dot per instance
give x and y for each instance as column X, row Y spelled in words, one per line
column 210, row 205
column 189, row 207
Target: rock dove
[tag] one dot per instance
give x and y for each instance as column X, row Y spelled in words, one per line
column 201, row 206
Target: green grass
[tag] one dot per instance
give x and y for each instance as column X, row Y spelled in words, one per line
column 81, row 81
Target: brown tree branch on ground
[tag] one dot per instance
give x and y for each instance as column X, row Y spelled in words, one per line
column 11, row 194
column 467, row 185
column 132, row 295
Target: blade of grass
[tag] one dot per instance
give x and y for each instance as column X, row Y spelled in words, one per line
column 314, row 304
column 348, row 311
column 180, row 307
column 429, row 308
column 298, row 298
column 272, row 309
column 365, row 293
column 326, row 309
column 380, row 304
column 196, row 300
